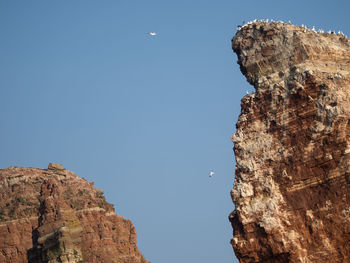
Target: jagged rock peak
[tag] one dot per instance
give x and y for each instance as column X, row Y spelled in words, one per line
column 52, row 215
column 54, row 166
column 292, row 146
column 268, row 51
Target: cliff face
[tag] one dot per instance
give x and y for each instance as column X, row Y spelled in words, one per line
column 292, row 146
column 51, row 215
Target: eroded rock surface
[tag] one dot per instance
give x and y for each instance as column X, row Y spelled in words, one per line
column 51, row 215
column 292, row 146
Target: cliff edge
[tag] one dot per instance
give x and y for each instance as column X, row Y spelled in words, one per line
column 52, row 215
column 292, row 146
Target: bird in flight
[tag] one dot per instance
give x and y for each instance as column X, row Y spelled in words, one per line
column 152, row 34
column 211, row 173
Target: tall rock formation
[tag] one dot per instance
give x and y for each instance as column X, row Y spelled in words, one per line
column 51, row 215
column 292, row 146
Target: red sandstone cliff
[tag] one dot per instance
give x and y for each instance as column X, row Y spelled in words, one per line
column 51, row 215
column 292, row 146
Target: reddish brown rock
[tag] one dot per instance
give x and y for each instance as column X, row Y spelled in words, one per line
column 51, row 215
column 292, row 146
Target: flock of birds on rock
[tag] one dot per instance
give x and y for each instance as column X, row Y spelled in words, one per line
column 153, row 34
column 321, row 31
column 239, row 27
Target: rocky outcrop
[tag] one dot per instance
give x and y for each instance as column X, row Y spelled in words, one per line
column 292, row 146
column 51, row 215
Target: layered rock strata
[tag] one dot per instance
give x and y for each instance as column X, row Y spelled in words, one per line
column 292, row 146
column 51, row 215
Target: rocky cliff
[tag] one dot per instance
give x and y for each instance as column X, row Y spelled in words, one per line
column 292, row 146
column 51, row 215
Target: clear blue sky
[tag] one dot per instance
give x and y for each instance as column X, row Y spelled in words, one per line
column 145, row 118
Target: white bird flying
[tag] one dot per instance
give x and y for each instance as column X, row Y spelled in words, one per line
column 211, row 173
column 152, row 34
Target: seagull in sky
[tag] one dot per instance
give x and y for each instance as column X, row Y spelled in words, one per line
column 211, row 173
column 152, row 34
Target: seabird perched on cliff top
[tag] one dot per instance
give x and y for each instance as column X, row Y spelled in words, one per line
column 211, row 173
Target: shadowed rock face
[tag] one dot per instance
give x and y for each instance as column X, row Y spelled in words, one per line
column 292, row 146
column 51, row 215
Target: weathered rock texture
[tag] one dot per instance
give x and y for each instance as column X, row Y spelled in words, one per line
column 51, row 215
column 292, row 146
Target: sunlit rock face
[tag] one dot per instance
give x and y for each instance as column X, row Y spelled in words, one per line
column 52, row 215
column 292, row 146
